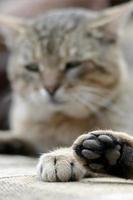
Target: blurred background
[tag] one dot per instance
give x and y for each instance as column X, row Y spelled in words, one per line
column 30, row 8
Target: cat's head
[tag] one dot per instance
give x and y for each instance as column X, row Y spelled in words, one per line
column 67, row 61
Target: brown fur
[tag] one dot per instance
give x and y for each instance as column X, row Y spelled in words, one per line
column 68, row 76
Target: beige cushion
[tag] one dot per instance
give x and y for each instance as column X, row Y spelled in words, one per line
column 18, row 181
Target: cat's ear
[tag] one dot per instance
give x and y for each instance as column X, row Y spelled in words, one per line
column 112, row 20
column 11, row 27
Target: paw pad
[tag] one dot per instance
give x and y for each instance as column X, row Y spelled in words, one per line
column 99, row 150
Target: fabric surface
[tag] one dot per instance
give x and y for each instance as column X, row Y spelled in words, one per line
column 18, row 180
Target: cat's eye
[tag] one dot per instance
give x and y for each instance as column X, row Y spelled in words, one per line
column 32, row 67
column 72, row 65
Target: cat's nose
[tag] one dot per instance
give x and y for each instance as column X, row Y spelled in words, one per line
column 51, row 89
column 51, row 81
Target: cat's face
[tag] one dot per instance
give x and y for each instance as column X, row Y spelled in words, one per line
column 62, row 66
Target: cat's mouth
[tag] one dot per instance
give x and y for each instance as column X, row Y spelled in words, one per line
column 56, row 101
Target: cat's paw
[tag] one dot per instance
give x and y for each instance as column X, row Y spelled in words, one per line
column 11, row 145
column 60, row 166
column 100, row 151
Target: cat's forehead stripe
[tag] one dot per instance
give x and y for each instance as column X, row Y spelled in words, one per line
column 65, row 19
column 64, row 36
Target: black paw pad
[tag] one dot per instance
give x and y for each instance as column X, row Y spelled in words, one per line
column 99, row 150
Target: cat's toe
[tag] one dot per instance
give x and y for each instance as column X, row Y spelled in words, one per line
column 59, row 168
column 98, row 150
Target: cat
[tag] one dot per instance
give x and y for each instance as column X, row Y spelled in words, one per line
column 68, row 77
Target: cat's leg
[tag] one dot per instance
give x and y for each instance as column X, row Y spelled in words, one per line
column 13, row 144
column 107, row 152
column 60, row 165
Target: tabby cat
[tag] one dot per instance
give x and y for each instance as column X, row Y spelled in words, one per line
column 69, row 77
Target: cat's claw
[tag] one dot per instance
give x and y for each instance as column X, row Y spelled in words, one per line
column 98, row 150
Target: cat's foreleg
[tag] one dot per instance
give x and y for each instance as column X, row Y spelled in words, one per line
column 13, row 144
column 107, row 152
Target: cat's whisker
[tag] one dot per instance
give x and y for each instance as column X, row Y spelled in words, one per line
column 94, row 89
column 109, row 105
column 94, row 105
column 92, row 108
column 84, row 100
column 97, row 101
